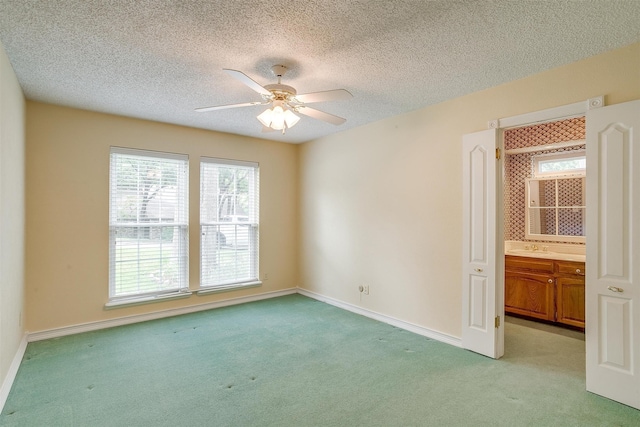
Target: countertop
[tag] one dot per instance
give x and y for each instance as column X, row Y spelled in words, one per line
column 546, row 255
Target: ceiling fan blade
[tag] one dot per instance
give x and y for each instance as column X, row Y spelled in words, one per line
column 321, row 115
column 327, row 95
column 239, row 75
column 224, row 107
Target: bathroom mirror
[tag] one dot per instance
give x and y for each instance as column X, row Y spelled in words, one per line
column 555, row 209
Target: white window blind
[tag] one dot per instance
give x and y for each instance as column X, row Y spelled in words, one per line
column 148, row 223
column 229, row 220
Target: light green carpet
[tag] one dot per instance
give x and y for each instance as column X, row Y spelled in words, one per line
column 293, row 361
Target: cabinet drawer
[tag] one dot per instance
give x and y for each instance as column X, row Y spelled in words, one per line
column 570, row 267
column 533, row 264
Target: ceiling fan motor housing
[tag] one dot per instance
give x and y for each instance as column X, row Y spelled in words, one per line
column 280, row 91
column 279, row 70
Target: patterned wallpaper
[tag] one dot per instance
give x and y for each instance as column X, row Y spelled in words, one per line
column 518, row 167
column 545, row 133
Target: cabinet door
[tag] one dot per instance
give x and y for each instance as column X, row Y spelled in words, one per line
column 529, row 294
column 570, row 300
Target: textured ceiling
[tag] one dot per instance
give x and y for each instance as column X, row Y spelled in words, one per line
column 159, row 60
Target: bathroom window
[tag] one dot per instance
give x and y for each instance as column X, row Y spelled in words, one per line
column 560, row 164
column 556, row 209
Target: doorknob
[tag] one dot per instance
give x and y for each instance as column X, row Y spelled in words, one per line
column 615, row 289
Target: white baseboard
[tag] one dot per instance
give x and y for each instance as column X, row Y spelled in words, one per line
column 438, row 336
column 103, row 324
column 13, row 371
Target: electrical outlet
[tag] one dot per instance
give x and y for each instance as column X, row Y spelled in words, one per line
column 365, row 289
column 265, row 276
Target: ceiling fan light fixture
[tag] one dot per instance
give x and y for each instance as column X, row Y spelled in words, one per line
column 265, row 117
column 278, row 118
column 284, row 101
column 290, row 118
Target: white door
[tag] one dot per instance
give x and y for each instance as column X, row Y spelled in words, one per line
column 479, row 296
column 613, row 252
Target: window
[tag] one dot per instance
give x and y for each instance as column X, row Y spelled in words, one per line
column 228, row 223
column 555, row 197
column 558, row 164
column 556, row 209
column 148, row 224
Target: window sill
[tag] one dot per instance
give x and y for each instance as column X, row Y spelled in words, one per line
column 147, row 299
column 227, row 288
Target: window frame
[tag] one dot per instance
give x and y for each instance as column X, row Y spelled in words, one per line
column 558, row 156
column 531, row 212
column 253, row 224
column 181, row 225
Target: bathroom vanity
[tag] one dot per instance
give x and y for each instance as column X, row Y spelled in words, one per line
column 546, row 284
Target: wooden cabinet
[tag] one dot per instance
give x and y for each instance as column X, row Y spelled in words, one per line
column 570, row 293
column 529, row 294
column 545, row 289
column 529, row 287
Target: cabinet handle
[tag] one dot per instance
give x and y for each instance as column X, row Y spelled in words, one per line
column 550, row 280
column 578, row 271
column 479, row 270
column 615, row 289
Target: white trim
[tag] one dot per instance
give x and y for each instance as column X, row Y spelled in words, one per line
column 127, row 320
column 104, row 324
column 148, row 153
column 226, row 288
column 13, row 371
column 546, row 147
column 127, row 302
column 241, row 163
column 429, row 333
column 550, row 114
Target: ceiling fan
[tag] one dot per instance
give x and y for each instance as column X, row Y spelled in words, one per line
column 284, row 101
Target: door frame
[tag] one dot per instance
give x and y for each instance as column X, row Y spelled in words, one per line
column 537, row 117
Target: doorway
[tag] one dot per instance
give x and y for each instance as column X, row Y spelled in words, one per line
column 544, row 205
column 612, row 326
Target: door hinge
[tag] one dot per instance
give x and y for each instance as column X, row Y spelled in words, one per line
column 497, row 321
column 498, row 153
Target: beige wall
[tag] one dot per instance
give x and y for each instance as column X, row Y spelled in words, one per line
column 67, row 209
column 381, row 204
column 12, row 118
column 377, row 205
